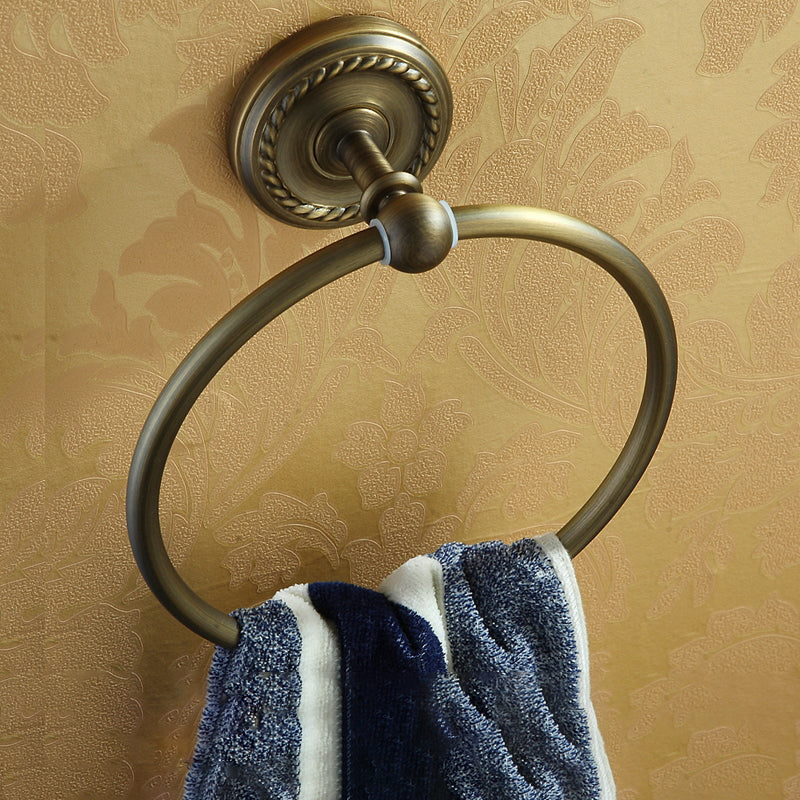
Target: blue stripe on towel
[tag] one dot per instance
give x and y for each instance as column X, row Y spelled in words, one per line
column 249, row 739
column 390, row 657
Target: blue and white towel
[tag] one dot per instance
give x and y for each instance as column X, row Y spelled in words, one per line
column 464, row 677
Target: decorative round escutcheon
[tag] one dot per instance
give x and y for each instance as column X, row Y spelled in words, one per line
column 348, row 73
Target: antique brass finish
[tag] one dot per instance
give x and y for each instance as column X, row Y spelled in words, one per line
column 347, row 255
column 542, row 225
column 176, row 400
column 354, row 121
column 417, row 227
column 344, row 74
column 381, row 189
column 335, row 134
column 363, row 157
column 346, row 149
column 419, row 231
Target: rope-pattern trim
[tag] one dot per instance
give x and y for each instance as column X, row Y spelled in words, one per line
column 273, row 182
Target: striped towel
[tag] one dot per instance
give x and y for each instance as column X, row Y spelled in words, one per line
column 464, row 677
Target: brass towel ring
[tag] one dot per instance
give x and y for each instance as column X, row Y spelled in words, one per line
column 358, row 150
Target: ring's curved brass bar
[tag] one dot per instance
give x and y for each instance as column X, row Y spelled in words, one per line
column 334, row 261
column 179, row 395
column 538, row 224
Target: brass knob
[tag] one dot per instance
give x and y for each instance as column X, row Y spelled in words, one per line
column 419, row 230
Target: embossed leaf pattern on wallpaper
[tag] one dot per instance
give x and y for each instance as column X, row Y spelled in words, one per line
column 46, row 54
column 780, row 145
column 729, row 29
column 388, row 414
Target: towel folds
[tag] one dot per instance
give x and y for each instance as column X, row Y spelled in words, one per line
column 464, row 677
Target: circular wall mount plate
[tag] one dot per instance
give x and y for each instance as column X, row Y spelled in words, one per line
column 347, row 73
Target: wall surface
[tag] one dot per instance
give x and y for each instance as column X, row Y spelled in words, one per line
column 390, row 413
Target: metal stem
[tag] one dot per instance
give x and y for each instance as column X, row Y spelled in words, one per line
column 363, row 158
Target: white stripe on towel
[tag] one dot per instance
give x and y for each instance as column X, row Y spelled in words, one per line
column 562, row 565
column 320, row 709
column 418, row 584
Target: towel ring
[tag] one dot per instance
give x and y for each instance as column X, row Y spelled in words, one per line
column 378, row 108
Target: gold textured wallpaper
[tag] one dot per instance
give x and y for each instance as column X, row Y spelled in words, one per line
column 390, row 413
